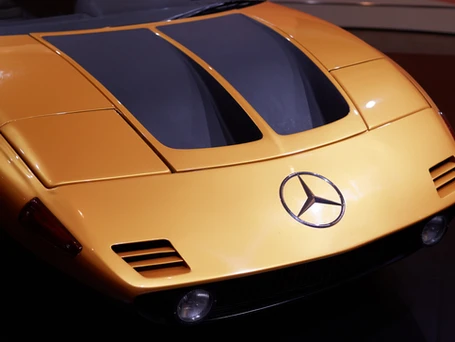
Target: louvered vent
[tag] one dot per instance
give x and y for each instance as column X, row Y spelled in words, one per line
column 443, row 175
column 156, row 258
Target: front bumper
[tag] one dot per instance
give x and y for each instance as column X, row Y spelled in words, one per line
column 252, row 293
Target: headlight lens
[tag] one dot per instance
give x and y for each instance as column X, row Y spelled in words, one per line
column 434, row 230
column 194, row 306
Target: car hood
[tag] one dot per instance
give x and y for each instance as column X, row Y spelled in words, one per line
column 103, row 104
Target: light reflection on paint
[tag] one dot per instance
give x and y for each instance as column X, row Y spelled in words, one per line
column 4, row 75
column 370, row 104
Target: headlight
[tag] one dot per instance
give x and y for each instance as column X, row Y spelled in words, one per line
column 434, row 230
column 194, row 306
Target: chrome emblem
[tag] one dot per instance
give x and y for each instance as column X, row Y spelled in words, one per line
column 312, row 203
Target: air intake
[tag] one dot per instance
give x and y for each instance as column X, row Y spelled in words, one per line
column 443, row 175
column 151, row 259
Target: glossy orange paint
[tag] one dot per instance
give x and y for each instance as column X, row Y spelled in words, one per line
column 318, row 36
column 67, row 148
column 220, row 208
column 35, row 81
column 380, row 92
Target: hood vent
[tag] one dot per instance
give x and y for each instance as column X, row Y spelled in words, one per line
column 156, row 258
column 443, row 175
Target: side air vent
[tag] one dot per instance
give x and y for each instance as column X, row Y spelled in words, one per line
column 443, row 175
column 156, row 258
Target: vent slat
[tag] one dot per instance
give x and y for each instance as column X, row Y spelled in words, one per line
column 439, row 182
column 156, row 258
column 158, row 262
column 163, row 272
column 149, row 251
column 447, row 188
column 442, row 167
column 443, row 175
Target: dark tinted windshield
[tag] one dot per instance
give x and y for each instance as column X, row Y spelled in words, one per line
column 26, row 16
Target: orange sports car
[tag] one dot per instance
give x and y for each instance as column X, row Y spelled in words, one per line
column 201, row 159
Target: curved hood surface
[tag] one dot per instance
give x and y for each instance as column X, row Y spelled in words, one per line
column 208, row 92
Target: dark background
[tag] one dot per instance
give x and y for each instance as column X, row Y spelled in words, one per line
column 412, row 300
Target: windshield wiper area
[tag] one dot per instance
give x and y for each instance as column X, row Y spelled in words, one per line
column 216, row 8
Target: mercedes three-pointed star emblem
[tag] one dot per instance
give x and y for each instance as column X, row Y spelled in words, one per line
column 312, row 199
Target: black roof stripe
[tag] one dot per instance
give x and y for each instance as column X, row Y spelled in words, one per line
column 284, row 86
column 172, row 96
